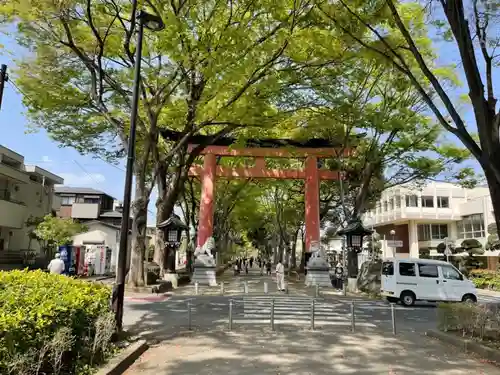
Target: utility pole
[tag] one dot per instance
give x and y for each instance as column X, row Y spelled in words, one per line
column 3, row 78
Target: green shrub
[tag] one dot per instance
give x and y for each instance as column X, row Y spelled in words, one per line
column 485, row 279
column 471, row 320
column 48, row 322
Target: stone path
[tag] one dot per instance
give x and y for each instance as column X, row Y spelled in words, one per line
column 302, row 352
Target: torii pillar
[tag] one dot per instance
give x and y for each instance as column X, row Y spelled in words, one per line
column 312, row 202
column 206, row 218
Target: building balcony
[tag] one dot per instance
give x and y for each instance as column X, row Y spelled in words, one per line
column 85, row 210
column 12, row 214
column 13, row 174
column 411, row 213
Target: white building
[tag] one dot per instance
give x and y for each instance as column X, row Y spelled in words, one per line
column 423, row 217
column 25, row 190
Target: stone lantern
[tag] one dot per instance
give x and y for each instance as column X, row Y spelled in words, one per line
column 172, row 232
column 354, row 233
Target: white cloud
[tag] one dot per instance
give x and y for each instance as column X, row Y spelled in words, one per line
column 83, row 179
column 46, row 159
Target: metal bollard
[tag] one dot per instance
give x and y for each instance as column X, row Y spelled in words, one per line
column 316, row 291
column 393, row 316
column 353, row 319
column 245, row 286
column 272, row 315
column 312, row 314
column 230, row 315
column 222, row 288
column 265, row 287
column 189, row 315
column 196, row 287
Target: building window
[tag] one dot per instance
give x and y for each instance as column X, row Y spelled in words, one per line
column 91, row 200
column 67, row 201
column 471, row 226
column 411, row 201
column 407, row 269
column 427, row 270
column 427, row 201
column 385, row 206
column 391, row 204
column 427, row 232
column 397, row 199
column 443, row 202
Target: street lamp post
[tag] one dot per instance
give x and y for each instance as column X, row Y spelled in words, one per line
column 393, row 234
column 153, row 23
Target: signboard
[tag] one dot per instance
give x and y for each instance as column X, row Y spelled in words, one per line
column 394, row 243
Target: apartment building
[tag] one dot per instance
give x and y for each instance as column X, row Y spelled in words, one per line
column 87, row 204
column 422, row 217
column 25, row 190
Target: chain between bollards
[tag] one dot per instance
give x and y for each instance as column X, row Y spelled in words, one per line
column 272, row 315
column 189, row 314
column 222, row 288
column 312, row 314
column 393, row 316
column 196, row 288
column 230, row 324
column 353, row 318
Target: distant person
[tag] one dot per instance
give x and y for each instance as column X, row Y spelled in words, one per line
column 268, row 267
column 56, row 265
column 280, row 276
column 246, row 268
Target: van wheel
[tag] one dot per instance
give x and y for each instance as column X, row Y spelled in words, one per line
column 392, row 299
column 408, row 298
column 469, row 298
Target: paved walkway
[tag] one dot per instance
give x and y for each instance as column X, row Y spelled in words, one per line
column 300, row 352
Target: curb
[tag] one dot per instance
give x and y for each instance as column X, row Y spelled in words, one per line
column 466, row 345
column 119, row 364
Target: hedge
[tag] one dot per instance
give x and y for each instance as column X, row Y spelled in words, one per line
column 471, row 320
column 485, row 279
column 52, row 324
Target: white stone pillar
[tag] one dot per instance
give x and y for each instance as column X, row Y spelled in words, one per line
column 413, row 239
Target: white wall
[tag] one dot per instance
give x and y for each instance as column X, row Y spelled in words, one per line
column 38, row 200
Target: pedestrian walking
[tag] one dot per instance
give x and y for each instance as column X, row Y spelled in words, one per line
column 280, row 276
column 268, row 267
column 246, row 268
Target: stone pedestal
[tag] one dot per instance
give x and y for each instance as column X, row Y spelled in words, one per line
column 352, row 285
column 204, row 271
column 318, row 272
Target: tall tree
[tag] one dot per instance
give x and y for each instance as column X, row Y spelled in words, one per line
column 398, row 33
column 213, row 69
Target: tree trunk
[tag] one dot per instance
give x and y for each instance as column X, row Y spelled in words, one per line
column 293, row 250
column 494, row 187
column 138, row 243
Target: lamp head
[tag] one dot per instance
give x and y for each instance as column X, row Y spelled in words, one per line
column 151, row 21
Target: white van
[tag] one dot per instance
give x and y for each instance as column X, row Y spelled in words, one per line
column 409, row 280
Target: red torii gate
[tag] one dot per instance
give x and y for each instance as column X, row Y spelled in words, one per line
column 311, row 174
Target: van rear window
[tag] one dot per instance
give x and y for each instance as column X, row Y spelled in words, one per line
column 388, row 268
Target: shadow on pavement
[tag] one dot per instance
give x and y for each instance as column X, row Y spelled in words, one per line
column 300, row 352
